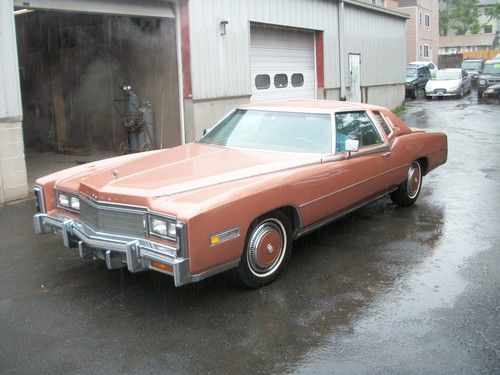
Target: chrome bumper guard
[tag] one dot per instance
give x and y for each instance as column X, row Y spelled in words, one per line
column 119, row 251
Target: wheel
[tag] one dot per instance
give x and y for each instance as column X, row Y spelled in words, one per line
column 413, row 94
column 479, row 94
column 267, row 250
column 461, row 94
column 428, row 97
column 407, row 192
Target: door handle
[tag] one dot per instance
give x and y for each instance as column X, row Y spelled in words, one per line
column 386, row 155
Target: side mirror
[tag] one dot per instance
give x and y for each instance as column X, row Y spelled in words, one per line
column 351, row 145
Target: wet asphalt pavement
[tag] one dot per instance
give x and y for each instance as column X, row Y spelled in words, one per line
column 384, row 290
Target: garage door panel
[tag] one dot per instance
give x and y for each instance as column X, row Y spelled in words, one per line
column 282, row 51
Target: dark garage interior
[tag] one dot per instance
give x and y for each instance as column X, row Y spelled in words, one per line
column 72, row 68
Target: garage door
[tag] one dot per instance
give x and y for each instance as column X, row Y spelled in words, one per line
column 282, row 64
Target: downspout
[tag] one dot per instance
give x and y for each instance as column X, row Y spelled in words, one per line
column 340, row 14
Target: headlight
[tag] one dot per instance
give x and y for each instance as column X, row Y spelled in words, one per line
column 68, row 201
column 482, row 81
column 163, row 227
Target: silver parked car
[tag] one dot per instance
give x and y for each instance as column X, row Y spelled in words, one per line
column 449, row 82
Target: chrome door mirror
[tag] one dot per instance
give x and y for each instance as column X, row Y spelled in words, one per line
column 351, row 145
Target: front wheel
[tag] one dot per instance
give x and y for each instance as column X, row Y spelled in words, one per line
column 407, row 192
column 267, row 250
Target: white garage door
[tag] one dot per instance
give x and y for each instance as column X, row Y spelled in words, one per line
column 282, row 64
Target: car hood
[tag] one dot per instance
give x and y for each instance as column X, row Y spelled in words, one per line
column 174, row 171
column 445, row 84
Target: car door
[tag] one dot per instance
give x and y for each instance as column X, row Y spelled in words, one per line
column 357, row 176
column 466, row 80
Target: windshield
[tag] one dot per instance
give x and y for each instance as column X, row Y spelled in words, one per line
column 411, row 72
column 492, row 68
column 274, row 131
column 445, row 75
column 471, row 65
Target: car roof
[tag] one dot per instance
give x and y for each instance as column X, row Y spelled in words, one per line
column 313, row 106
column 421, row 63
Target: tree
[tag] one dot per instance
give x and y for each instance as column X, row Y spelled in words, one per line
column 459, row 15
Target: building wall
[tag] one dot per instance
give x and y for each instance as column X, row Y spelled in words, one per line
column 417, row 33
column 381, row 43
column 220, row 64
column 13, row 181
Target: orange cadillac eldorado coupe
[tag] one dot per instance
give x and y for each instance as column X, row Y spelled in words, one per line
column 263, row 176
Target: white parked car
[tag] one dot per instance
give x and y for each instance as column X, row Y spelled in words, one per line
column 432, row 67
column 449, row 82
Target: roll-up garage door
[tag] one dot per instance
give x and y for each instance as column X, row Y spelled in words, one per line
column 282, row 64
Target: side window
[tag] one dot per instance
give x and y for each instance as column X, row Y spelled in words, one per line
column 355, row 125
column 297, row 79
column 262, row 81
column 383, row 123
column 280, row 80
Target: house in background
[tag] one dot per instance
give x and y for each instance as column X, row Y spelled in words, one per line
column 458, row 44
column 422, row 29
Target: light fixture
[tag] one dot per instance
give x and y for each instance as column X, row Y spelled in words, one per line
column 23, row 11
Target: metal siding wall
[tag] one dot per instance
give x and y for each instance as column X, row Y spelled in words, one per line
column 220, row 65
column 379, row 39
column 10, row 91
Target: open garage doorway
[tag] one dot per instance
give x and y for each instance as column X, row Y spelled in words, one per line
column 72, row 70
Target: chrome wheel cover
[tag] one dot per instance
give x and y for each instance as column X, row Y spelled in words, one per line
column 266, row 247
column 414, row 180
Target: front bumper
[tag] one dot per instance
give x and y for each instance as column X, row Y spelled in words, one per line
column 442, row 92
column 137, row 254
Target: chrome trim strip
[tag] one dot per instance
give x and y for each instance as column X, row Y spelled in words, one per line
column 334, row 217
column 215, row 270
column 40, row 199
column 226, row 235
column 349, row 187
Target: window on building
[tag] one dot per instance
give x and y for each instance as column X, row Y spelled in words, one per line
column 426, row 50
column 262, row 81
column 488, row 29
column 427, row 20
column 280, row 80
column 297, row 79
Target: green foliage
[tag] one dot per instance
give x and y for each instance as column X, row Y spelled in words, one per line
column 459, row 15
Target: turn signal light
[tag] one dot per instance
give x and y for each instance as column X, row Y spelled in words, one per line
column 163, row 267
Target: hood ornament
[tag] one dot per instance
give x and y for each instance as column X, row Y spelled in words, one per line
column 115, row 174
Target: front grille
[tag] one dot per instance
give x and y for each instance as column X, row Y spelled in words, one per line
column 112, row 219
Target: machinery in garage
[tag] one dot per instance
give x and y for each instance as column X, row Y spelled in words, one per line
column 137, row 121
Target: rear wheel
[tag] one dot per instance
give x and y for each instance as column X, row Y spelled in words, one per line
column 267, row 250
column 407, row 192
